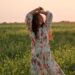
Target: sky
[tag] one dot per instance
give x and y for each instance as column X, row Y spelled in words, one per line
column 16, row 10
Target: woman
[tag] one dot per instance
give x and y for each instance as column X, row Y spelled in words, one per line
column 42, row 62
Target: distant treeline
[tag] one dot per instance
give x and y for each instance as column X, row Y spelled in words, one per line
column 64, row 22
column 16, row 23
column 21, row 23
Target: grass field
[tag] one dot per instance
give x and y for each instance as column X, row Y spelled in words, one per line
column 15, row 48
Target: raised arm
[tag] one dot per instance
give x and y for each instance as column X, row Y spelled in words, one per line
column 30, row 14
column 29, row 17
column 49, row 17
column 48, row 22
column 37, row 10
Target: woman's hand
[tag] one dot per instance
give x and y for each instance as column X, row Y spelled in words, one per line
column 37, row 10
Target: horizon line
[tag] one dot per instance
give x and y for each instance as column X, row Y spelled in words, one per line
column 63, row 21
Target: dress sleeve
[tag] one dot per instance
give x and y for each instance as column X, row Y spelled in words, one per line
column 48, row 21
column 28, row 21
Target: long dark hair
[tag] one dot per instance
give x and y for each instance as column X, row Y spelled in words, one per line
column 35, row 23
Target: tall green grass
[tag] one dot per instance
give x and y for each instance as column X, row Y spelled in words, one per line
column 15, row 48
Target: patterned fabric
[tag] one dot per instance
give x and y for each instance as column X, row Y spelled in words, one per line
column 42, row 62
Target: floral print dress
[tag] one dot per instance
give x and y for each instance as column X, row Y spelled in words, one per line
column 42, row 63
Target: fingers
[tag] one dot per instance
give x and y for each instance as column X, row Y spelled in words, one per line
column 40, row 8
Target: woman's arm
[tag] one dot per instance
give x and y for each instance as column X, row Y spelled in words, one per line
column 29, row 17
column 48, row 22
column 49, row 17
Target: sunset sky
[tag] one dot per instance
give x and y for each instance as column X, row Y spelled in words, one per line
column 15, row 10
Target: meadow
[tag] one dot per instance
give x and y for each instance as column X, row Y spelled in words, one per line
column 15, row 48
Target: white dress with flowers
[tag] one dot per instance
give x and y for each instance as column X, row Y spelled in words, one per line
column 42, row 62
